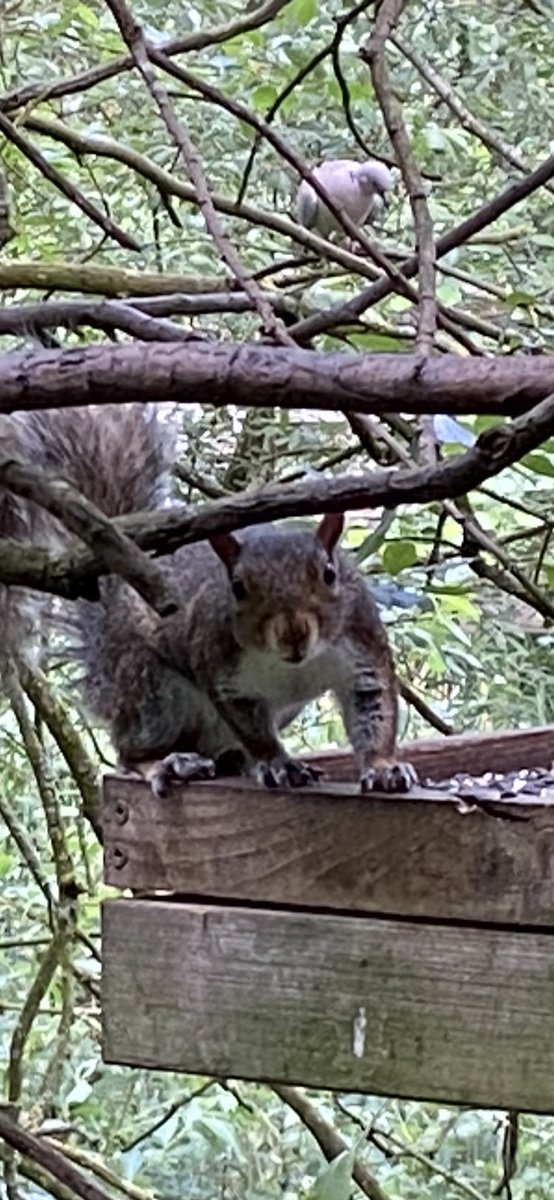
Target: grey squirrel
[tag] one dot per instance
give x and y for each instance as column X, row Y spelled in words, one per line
column 269, row 619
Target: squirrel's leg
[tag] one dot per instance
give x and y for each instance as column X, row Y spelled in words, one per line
column 370, row 713
column 154, row 726
column 254, row 724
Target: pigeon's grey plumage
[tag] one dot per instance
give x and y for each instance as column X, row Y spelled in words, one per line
column 359, row 189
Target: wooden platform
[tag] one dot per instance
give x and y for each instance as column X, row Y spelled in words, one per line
column 391, row 945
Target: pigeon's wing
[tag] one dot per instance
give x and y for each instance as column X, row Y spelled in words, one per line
column 307, row 204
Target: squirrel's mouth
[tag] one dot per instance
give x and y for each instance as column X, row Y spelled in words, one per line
column 293, row 639
column 295, row 656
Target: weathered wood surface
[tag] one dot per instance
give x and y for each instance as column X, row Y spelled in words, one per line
column 459, row 1015
column 333, row 848
column 439, row 758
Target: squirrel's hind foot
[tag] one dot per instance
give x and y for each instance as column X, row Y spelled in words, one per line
column 179, row 768
column 394, row 778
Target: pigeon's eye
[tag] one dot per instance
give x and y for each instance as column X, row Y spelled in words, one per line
column 329, row 574
column 239, row 590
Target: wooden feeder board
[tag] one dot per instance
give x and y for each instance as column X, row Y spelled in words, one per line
column 399, row 946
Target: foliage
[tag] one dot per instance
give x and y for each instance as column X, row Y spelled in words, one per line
column 467, row 589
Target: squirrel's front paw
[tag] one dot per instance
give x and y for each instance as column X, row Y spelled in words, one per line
column 396, row 777
column 287, row 772
column 179, row 768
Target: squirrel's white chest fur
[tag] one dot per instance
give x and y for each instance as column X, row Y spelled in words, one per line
column 262, row 674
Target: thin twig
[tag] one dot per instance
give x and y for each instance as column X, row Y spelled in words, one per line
column 51, row 173
column 329, row 1141
column 487, row 213
column 134, row 39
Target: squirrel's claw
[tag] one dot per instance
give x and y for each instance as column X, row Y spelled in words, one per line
column 287, row 772
column 179, row 768
column 396, row 777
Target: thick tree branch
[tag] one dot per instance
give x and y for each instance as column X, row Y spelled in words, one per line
column 39, row 1151
column 74, row 574
column 117, row 553
column 104, row 280
column 261, row 376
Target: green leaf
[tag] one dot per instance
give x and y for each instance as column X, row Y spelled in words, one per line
column 300, row 12
column 263, row 96
column 85, row 14
column 382, row 343
column 335, row 1181
column 397, row 556
column 520, row 300
column 540, row 463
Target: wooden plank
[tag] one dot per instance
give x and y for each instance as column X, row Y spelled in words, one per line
column 333, row 848
column 441, row 757
column 452, row 1014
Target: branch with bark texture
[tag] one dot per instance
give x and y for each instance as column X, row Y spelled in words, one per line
column 198, row 40
column 329, row 1141
column 261, row 376
column 165, row 531
column 133, row 37
column 53, row 1161
column 72, row 193
column 117, row 553
column 132, row 316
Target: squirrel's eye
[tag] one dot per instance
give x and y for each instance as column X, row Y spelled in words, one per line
column 239, row 590
column 329, row 574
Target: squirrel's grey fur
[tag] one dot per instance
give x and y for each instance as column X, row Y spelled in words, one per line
column 268, row 620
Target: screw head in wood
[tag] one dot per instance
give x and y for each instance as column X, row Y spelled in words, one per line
column 121, row 812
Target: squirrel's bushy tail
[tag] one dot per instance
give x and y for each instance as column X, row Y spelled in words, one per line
column 118, row 457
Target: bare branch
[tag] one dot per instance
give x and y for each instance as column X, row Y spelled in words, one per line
column 117, row 553
column 14, row 135
column 341, row 314
column 66, row 736
column 329, row 1141
column 104, row 280
column 134, row 39
column 163, row 532
column 191, row 41
column 262, row 376
column 46, row 1156
column 374, row 54
column 133, row 317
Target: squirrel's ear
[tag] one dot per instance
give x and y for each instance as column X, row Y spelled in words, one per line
column 329, row 530
column 226, row 547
